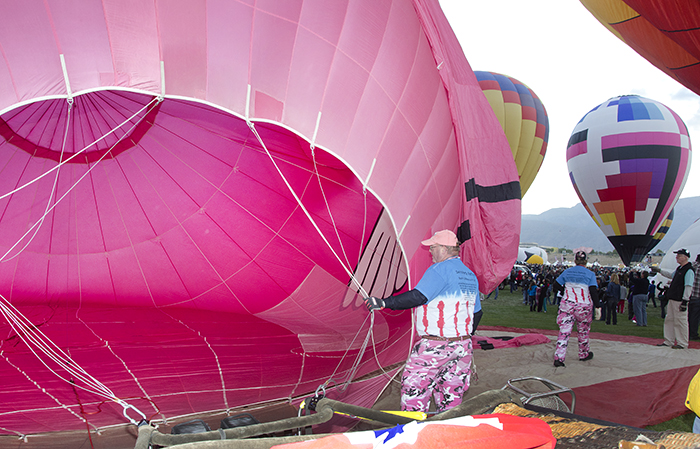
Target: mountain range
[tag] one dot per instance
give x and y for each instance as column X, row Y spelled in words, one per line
column 573, row 227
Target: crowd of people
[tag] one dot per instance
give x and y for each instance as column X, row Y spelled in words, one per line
column 584, row 294
column 625, row 291
column 447, row 304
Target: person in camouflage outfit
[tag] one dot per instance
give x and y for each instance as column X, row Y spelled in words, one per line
column 580, row 296
column 443, row 367
column 445, row 300
column 582, row 315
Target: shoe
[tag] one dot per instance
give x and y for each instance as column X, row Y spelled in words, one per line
column 588, row 357
column 662, row 344
column 558, row 363
column 677, row 347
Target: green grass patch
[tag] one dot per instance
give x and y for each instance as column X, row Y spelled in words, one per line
column 509, row 310
column 683, row 423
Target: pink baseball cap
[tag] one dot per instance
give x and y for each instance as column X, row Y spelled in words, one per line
column 444, row 237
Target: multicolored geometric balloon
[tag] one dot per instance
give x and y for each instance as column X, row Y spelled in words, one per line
column 628, row 160
column 523, row 119
column 660, row 234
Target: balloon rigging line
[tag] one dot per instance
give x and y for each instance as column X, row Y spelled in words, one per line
column 36, row 340
column 328, row 209
column 361, row 290
column 55, row 399
column 29, row 334
column 51, row 195
column 216, row 358
column 348, row 378
column 155, row 100
column 370, row 333
column 75, row 184
column 251, row 125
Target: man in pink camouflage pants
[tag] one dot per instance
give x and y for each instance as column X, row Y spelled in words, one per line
column 580, row 296
column 444, row 298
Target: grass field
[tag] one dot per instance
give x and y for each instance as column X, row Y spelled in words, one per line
column 509, row 310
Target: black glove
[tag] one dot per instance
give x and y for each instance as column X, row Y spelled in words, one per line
column 684, row 306
column 374, row 303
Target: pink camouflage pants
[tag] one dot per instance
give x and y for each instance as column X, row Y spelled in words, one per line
column 569, row 313
column 442, row 368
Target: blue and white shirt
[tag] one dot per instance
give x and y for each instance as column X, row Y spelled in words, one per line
column 576, row 281
column 452, row 290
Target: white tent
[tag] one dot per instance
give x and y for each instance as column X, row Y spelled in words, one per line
column 524, row 253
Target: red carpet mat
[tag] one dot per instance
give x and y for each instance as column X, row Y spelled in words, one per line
column 638, row 400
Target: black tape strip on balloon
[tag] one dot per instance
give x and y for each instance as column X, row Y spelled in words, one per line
column 491, row 194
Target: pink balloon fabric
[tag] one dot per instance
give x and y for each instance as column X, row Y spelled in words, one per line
column 237, row 176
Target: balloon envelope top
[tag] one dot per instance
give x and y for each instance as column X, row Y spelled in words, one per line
column 628, row 161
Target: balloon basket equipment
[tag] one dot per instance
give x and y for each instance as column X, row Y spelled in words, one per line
column 250, row 435
column 515, row 398
column 548, row 399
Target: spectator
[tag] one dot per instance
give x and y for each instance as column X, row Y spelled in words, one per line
column 612, row 297
column 580, row 297
column 678, row 296
column 663, row 302
column 496, row 291
column 602, row 288
column 640, row 292
column 652, row 292
column 440, row 363
column 692, row 400
column 532, row 295
column 694, row 304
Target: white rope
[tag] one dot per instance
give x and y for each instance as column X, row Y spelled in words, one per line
column 330, row 214
column 306, row 212
column 37, row 341
column 53, row 191
column 355, row 366
column 75, row 184
column 155, row 100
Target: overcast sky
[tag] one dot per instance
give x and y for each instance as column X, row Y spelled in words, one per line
column 573, row 63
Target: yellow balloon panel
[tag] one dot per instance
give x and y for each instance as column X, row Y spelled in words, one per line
column 524, row 121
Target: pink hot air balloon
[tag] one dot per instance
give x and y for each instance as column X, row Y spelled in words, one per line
column 195, row 196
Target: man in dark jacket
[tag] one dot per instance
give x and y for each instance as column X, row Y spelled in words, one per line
column 678, row 295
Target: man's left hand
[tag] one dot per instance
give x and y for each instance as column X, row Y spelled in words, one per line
column 374, row 303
